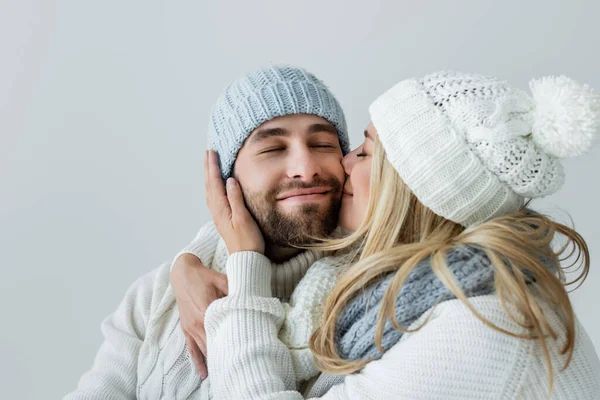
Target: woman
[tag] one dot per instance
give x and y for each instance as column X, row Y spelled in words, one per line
column 456, row 292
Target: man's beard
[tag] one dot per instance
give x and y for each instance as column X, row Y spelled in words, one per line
column 308, row 222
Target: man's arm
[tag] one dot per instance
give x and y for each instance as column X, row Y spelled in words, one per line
column 114, row 372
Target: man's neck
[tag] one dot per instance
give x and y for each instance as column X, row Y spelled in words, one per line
column 279, row 254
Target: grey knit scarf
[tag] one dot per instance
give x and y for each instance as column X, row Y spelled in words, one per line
column 355, row 331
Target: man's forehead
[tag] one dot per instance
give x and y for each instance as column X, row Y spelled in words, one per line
column 289, row 125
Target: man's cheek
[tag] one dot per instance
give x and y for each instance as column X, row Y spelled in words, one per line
column 338, row 172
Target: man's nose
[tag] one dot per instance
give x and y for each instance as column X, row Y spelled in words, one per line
column 304, row 165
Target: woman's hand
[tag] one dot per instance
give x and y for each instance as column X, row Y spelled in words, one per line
column 195, row 287
column 230, row 215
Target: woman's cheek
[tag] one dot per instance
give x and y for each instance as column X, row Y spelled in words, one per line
column 363, row 184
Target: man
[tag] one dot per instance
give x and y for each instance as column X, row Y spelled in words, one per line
column 282, row 134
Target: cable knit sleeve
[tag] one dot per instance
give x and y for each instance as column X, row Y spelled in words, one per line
column 203, row 246
column 247, row 359
column 114, row 372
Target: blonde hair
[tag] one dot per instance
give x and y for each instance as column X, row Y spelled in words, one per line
column 398, row 232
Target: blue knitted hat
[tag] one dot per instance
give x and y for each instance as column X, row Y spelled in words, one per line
column 263, row 95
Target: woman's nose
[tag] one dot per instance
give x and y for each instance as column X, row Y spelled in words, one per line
column 349, row 160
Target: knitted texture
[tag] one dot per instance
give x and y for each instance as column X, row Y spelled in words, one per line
column 144, row 353
column 302, row 283
column 456, row 356
column 357, row 323
column 472, row 148
column 453, row 356
column 263, row 95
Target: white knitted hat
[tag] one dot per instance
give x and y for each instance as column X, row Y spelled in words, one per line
column 472, row 148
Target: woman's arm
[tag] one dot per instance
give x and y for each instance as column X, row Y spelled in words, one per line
column 247, row 359
column 454, row 356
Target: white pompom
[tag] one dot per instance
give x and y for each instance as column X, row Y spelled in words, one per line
column 566, row 117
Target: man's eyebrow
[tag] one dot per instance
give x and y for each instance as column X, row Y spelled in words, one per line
column 265, row 133
column 317, row 128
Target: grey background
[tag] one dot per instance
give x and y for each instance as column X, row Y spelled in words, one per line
column 103, row 109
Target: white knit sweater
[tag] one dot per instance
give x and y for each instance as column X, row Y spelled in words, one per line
column 454, row 356
column 144, row 354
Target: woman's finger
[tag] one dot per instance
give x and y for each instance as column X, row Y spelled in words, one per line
column 208, row 174
column 200, row 339
column 206, row 182
column 236, row 199
column 217, row 279
column 220, row 281
column 219, row 205
column 197, row 356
